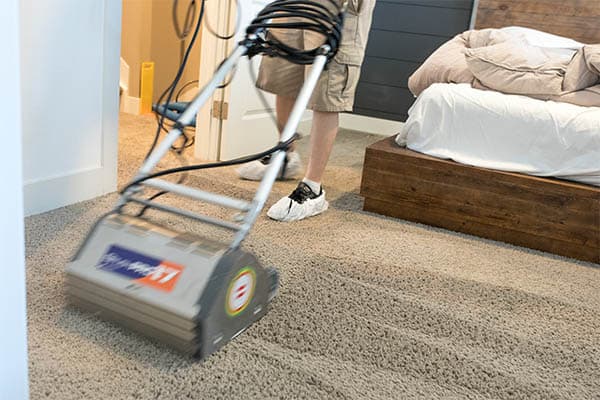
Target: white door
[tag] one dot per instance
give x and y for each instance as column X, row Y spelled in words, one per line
column 249, row 127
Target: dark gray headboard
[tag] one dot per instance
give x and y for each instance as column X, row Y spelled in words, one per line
column 403, row 35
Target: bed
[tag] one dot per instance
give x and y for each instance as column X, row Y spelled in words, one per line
column 510, row 133
column 534, row 182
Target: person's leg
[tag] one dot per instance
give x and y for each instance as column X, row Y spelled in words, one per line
column 334, row 93
column 293, row 165
column 284, row 79
column 323, row 132
column 283, row 108
column 308, row 199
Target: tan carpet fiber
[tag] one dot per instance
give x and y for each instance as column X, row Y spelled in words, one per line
column 370, row 308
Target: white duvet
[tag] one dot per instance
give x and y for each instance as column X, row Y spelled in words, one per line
column 505, row 132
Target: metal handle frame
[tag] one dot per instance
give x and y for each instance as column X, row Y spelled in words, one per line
column 252, row 209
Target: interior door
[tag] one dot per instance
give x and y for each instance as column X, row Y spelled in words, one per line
column 249, row 127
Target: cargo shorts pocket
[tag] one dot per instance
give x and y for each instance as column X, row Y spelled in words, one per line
column 356, row 31
column 349, row 51
column 343, row 78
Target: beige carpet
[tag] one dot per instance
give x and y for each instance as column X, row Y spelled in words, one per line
column 370, row 308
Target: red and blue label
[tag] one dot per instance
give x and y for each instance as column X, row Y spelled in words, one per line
column 139, row 268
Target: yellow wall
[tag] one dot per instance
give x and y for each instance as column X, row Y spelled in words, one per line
column 149, row 35
column 136, row 39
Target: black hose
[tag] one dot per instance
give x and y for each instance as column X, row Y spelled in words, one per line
column 305, row 15
column 188, row 22
column 169, row 91
column 236, row 161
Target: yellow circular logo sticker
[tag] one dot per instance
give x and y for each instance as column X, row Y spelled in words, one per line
column 240, row 292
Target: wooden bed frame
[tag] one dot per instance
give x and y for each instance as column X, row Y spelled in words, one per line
column 545, row 214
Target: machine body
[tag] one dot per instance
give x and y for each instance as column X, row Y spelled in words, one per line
column 188, row 291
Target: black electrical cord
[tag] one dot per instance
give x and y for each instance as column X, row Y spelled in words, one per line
column 188, row 141
column 169, row 91
column 182, row 34
column 182, row 89
column 236, row 161
column 238, row 24
column 304, row 14
column 325, row 18
column 190, row 13
column 188, row 23
column 296, row 14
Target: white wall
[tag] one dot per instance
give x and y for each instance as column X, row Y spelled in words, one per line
column 359, row 123
column 377, row 126
column 13, row 332
column 70, row 86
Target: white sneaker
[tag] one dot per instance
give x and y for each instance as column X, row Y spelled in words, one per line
column 302, row 203
column 255, row 170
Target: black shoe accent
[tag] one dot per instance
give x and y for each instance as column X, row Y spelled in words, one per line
column 266, row 160
column 303, row 192
column 286, row 160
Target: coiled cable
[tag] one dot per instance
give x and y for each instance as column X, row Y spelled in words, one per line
column 325, row 18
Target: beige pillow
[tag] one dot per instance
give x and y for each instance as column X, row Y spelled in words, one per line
column 584, row 70
column 589, row 97
column 485, row 37
column 592, row 56
column 446, row 65
column 515, row 67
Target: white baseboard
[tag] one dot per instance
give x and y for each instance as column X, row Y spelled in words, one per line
column 359, row 123
column 376, row 126
column 49, row 193
column 130, row 105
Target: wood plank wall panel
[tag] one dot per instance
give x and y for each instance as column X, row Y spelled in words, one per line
column 577, row 19
column 545, row 214
column 404, row 33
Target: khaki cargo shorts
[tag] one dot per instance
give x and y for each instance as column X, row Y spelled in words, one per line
column 336, row 87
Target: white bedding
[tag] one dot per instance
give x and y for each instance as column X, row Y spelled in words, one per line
column 505, row 132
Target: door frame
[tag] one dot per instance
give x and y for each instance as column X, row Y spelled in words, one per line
column 221, row 16
column 13, row 337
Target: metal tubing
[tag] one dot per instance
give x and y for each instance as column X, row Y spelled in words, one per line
column 188, row 214
column 277, row 160
column 198, row 194
column 188, row 115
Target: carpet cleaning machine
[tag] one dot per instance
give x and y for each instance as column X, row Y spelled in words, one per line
column 192, row 292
